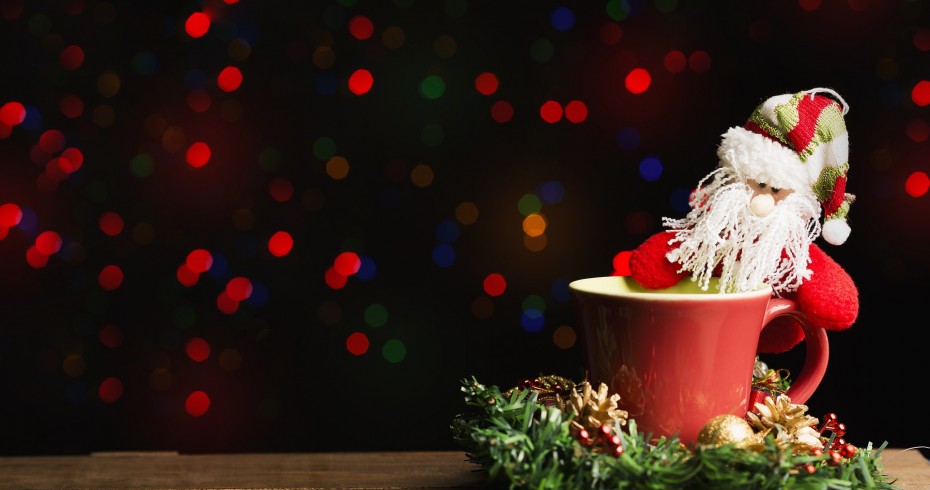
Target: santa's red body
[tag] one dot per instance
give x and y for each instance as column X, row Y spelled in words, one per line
column 829, row 298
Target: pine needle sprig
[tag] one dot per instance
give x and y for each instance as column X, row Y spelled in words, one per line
column 521, row 444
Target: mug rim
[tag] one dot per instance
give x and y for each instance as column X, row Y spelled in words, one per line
column 583, row 286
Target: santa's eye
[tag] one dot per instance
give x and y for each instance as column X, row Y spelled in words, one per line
column 762, row 185
column 775, row 190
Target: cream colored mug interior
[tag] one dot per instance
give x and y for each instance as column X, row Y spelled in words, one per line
column 627, row 286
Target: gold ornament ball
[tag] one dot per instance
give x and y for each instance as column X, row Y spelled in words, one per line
column 725, row 429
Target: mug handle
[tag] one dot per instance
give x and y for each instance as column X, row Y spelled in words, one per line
column 818, row 350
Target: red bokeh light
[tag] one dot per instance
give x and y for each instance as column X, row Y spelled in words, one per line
column 35, row 258
column 10, row 215
column 71, row 160
column 186, row 276
column 921, row 93
column 610, row 33
column 621, row 263
column 110, row 336
column 551, row 111
column 281, row 189
column 502, row 111
column 199, row 261
column 229, row 79
column 347, row 263
column 239, row 288
column 110, row 277
column 494, row 284
column 675, row 61
column 809, row 5
column 357, row 343
column 197, row 24
column 921, row 39
column 48, row 242
column 197, row 404
column 360, row 27
column 486, row 83
column 361, row 81
column 334, row 279
column 71, row 106
column 280, row 244
column 226, row 304
column 12, row 113
column 198, row 154
column 197, row 349
column 111, row 389
column 199, row 100
column 638, row 81
column 71, row 57
column 110, row 223
column 917, row 184
column 918, row 130
column 52, row 141
column 699, row 61
column 576, row 111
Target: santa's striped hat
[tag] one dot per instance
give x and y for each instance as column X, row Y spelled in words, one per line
column 798, row 141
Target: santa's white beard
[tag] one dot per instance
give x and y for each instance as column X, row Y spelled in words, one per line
column 723, row 231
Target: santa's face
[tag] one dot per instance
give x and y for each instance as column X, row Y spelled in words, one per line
column 747, row 232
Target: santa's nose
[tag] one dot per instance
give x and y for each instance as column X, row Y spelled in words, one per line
column 762, row 204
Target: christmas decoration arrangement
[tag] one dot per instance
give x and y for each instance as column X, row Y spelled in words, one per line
column 753, row 221
column 552, row 432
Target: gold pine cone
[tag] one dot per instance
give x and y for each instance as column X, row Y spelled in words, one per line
column 593, row 409
column 790, row 423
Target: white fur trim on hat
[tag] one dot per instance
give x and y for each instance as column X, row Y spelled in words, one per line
column 835, row 231
column 765, row 160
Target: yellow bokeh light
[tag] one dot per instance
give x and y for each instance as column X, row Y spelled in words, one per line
column 445, row 46
column 160, row 379
column 466, row 213
column 108, row 84
column 535, row 243
column 239, row 49
column 337, row 168
column 564, row 337
column 393, row 37
column 534, row 224
column 173, row 140
column 104, row 116
column 421, row 175
column 324, row 57
column 73, row 365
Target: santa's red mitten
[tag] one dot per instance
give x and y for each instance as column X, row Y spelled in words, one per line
column 829, row 298
column 649, row 265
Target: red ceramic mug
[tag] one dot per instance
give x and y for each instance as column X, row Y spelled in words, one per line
column 680, row 356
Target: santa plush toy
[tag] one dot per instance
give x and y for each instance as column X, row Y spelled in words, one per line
column 755, row 218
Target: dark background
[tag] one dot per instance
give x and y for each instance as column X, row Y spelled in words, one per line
column 296, row 385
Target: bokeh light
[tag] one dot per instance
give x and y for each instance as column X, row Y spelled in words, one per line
column 675, row 61
column 562, row 18
column 110, row 277
column 360, row 82
column 280, row 244
column 10, row 215
column 466, row 213
column 394, row 351
column 376, row 315
column 110, row 390
column 917, row 184
column 699, row 61
column 486, row 83
column 357, row 343
column 564, row 337
column 650, row 169
column 198, row 154
column 239, row 288
column 534, row 225
column 197, row 403
column 494, row 284
column 199, row 260
column 576, row 111
column 920, row 94
column 347, row 263
column 229, row 79
column 502, row 111
column 197, row 24
column 361, row 27
column 197, row 349
column 638, row 80
column 551, row 111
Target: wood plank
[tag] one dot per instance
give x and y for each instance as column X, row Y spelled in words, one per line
column 361, row 470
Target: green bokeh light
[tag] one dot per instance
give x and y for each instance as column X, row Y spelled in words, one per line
column 142, row 165
column 618, row 9
column 394, row 351
column 529, row 204
column 432, row 87
column 324, row 148
column 376, row 315
column 534, row 301
column 542, row 50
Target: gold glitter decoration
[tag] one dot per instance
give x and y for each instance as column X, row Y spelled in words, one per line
column 727, row 429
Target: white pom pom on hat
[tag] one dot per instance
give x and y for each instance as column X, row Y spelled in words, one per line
column 798, row 141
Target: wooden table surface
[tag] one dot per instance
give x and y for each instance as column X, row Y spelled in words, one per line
column 166, row 470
